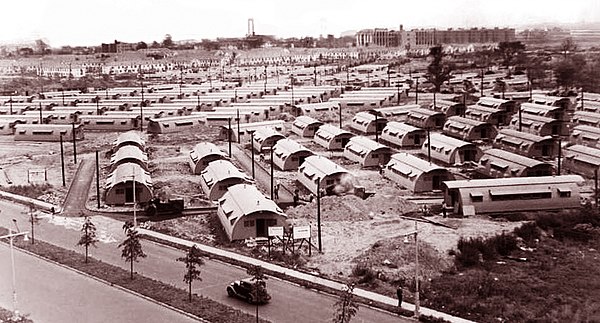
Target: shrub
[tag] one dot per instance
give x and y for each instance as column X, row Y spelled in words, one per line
column 548, row 220
column 528, row 231
column 503, row 244
column 366, row 274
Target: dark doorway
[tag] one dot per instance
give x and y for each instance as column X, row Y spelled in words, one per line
column 129, row 194
column 261, row 228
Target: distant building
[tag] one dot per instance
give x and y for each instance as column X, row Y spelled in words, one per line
column 430, row 37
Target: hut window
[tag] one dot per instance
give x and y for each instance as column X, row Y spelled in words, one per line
column 42, row 132
column 564, row 192
column 517, row 195
column 476, row 197
column 248, row 223
column 119, row 191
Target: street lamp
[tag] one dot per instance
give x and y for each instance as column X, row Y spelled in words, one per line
column 406, row 235
column 10, row 237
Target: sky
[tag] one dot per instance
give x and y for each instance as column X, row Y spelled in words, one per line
column 92, row 22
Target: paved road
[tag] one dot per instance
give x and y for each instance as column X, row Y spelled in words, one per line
column 52, row 294
column 290, row 303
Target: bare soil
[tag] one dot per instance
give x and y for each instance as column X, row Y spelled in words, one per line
column 350, row 226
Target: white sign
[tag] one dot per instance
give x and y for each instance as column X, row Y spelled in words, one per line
column 301, row 232
column 275, row 231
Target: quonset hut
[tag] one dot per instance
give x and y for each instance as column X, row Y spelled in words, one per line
column 415, row 174
column 120, row 183
column 218, row 176
column 318, row 172
column 245, row 212
column 202, row 154
column 516, row 194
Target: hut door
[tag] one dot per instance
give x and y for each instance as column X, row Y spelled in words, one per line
column 129, row 194
column 545, row 150
column 436, row 182
column 261, row 228
column 417, row 140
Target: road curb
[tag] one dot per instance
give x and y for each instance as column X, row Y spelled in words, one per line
column 150, row 299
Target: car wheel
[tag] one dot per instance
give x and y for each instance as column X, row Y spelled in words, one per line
column 250, row 299
column 230, row 292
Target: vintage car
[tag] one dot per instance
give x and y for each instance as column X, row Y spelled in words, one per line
column 244, row 289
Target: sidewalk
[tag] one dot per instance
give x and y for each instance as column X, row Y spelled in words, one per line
column 301, row 276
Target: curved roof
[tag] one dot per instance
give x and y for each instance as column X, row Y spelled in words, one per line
column 286, row 147
column 129, row 151
column 127, row 172
column 263, row 133
column 320, row 165
column 521, row 135
column 245, row 199
column 365, row 143
column 589, row 154
column 219, row 170
column 448, row 141
column 329, row 131
column 510, row 158
column 466, row 121
column 306, row 120
column 514, row 181
column 411, row 164
column 205, row 149
column 400, row 127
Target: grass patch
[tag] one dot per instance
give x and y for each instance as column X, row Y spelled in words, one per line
column 553, row 281
column 32, row 191
column 165, row 293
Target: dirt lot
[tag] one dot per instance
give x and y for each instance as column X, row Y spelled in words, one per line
column 350, row 225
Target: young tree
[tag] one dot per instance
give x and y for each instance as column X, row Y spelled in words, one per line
column 33, row 220
column 132, row 248
column 88, row 237
column 259, row 292
column 192, row 261
column 346, row 307
column 438, row 71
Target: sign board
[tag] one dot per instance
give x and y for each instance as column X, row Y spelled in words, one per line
column 302, row 232
column 468, row 210
column 275, row 231
column 36, row 175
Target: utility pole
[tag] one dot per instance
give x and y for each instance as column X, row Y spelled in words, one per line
column 481, row 84
column 41, row 122
column 10, row 104
column 238, row 126
column 74, row 143
column 252, row 150
column 142, row 108
column 319, row 214
column 520, row 119
column 134, row 201
column 272, row 179
column 376, row 128
column 265, row 87
column 417, row 91
column 428, row 146
column 62, row 160
column 559, row 154
column 98, row 179
column 229, row 135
